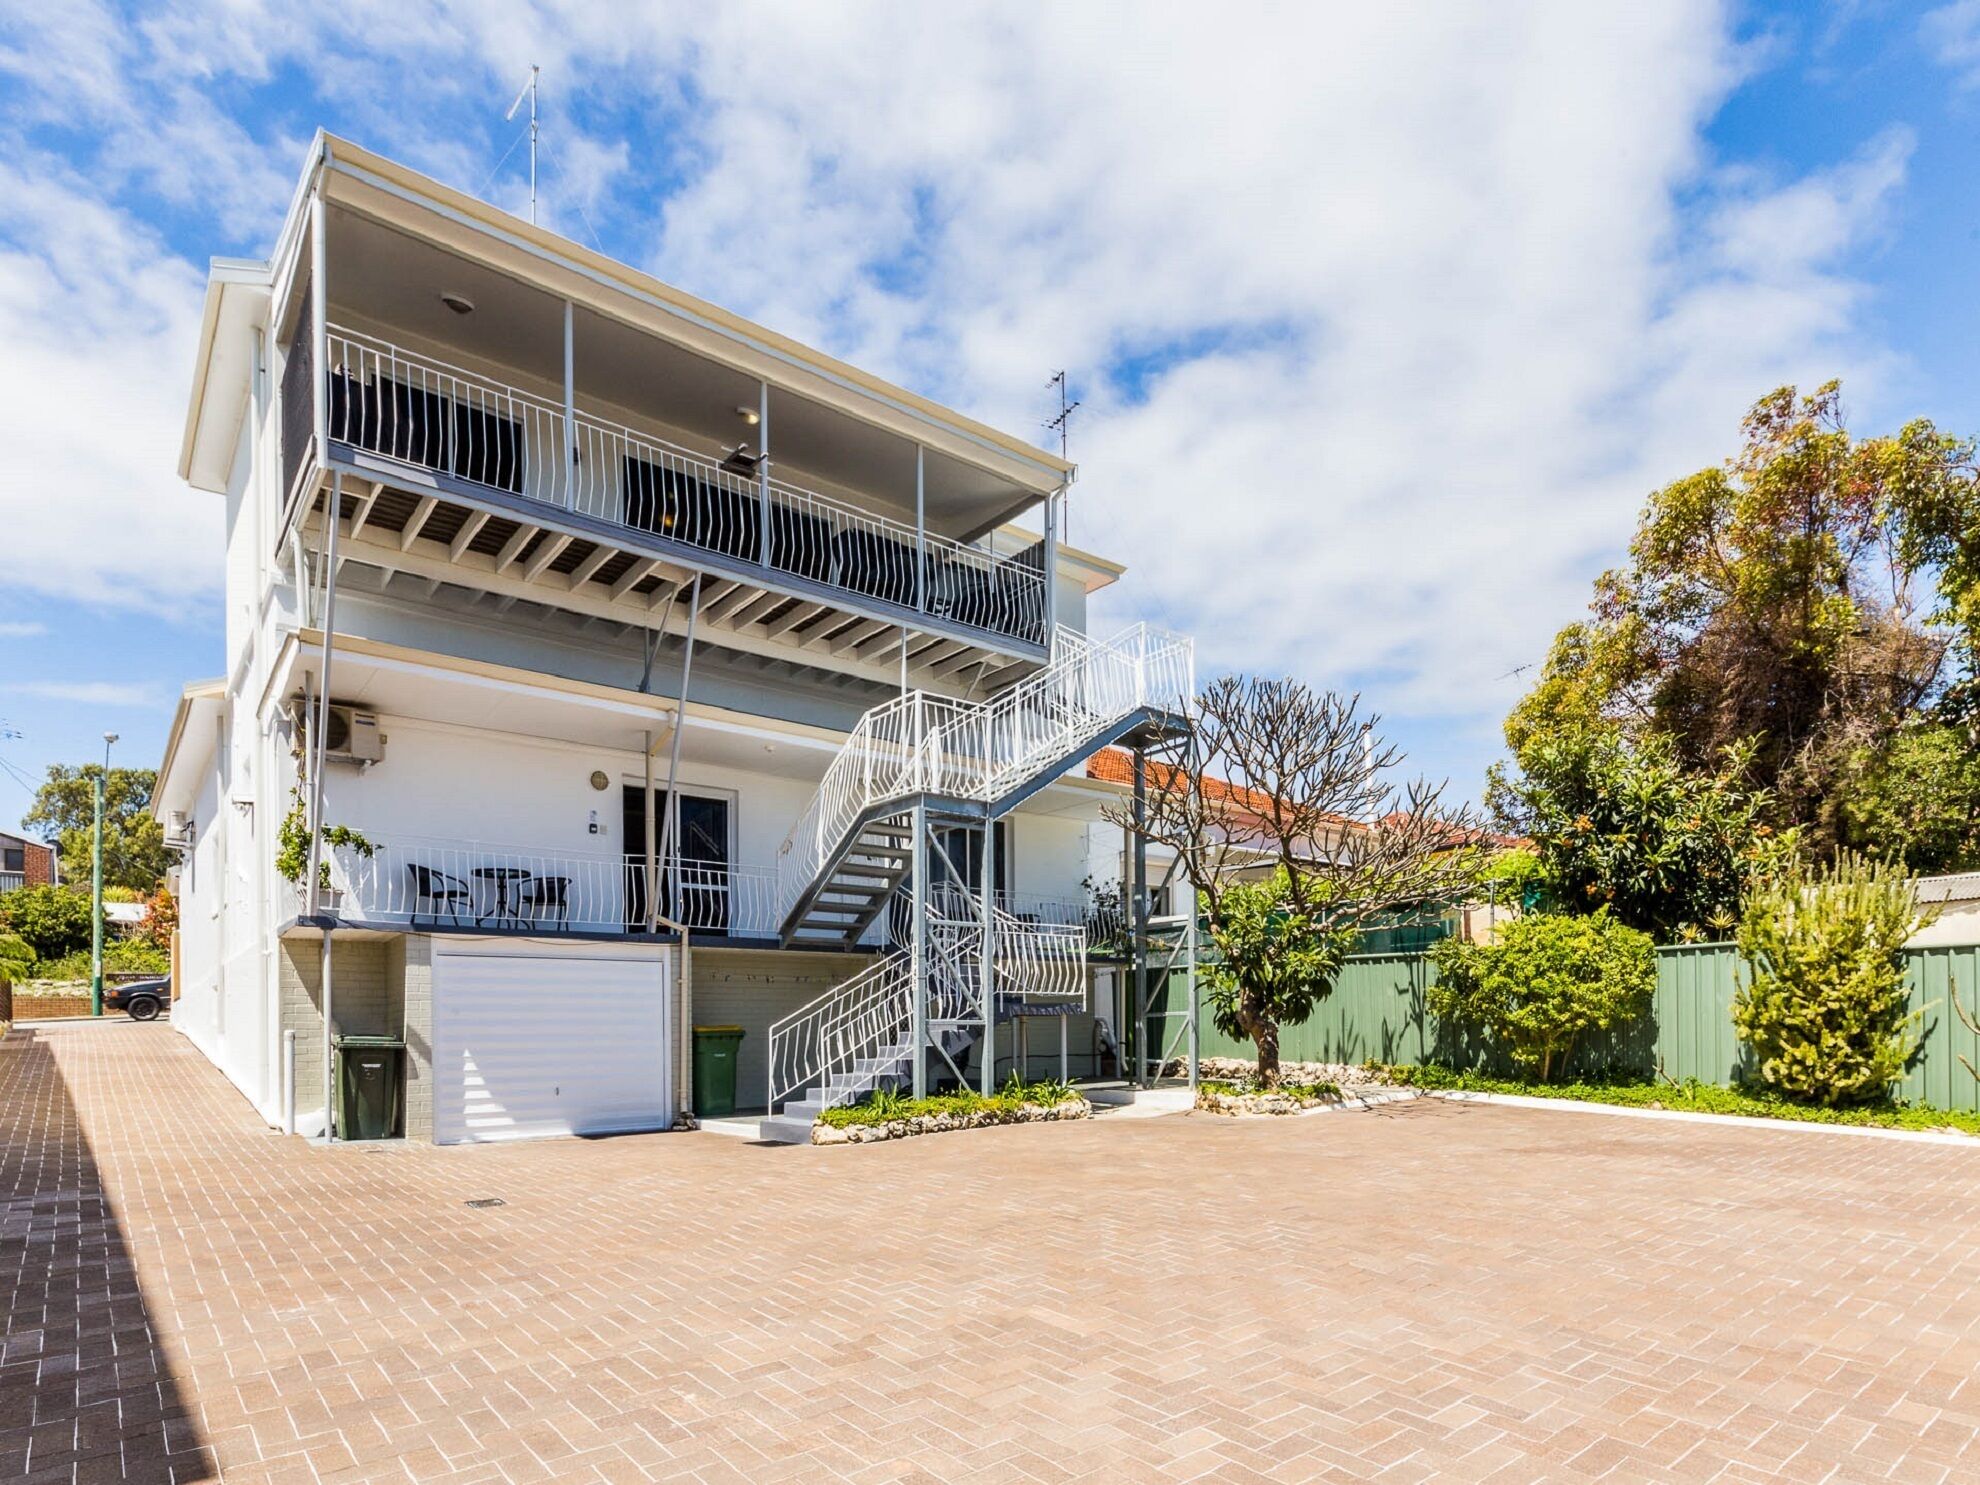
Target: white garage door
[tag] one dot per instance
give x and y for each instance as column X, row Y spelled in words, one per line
column 532, row 1040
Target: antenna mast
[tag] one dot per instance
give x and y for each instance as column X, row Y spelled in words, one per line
column 1063, row 422
column 529, row 92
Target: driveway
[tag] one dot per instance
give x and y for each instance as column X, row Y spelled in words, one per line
column 1431, row 1291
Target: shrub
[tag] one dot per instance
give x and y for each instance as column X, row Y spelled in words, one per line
column 1825, row 1014
column 54, row 920
column 1627, row 826
column 1548, row 979
column 16, row 956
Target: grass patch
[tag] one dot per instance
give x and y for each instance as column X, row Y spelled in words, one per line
column 1694, row 1097
column 886, row 1107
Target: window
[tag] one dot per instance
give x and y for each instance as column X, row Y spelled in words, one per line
column 13, row 858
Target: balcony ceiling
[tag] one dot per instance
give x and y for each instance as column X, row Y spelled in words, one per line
column 516, row 333
column 484, row 699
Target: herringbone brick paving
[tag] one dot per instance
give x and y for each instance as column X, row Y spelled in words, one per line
column 1432, row 1291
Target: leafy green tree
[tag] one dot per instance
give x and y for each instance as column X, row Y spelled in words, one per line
column 1628, row 829
column 1544, row 983
column 17, row 956
column 1773, row 603
column 1916, row 799
column 1826, row 1010
column 53, row 920
column 134, row 853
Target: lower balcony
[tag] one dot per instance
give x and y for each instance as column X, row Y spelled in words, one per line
column 474, row 886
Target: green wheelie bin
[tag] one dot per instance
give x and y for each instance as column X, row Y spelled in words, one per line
column 368, row 1084
column 715, row 1052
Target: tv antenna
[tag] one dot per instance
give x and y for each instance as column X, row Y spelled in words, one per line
column 1063, row 422
column 1066, row 409
column 529, row 92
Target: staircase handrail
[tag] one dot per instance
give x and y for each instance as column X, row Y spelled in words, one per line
column 864, row 1017
column 925, row 743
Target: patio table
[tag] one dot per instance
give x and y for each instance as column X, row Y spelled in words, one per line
column 501, row 877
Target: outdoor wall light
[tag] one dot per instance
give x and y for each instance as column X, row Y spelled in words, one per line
column 460, row 304
column 749, row 415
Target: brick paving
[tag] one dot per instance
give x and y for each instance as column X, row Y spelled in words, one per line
column 1431, row 1291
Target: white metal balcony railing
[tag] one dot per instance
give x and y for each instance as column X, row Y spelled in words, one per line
column 923, row 743
column 431, row 882
column 425, row 412
column 11, row 881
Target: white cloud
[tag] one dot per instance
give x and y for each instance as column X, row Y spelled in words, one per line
column 1386, row 316
column 92, row 693
column 1953, row 34
column 21, row 628
column 99, row 324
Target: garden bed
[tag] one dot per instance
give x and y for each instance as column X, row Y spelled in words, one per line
column 1230, row 1086
column 1218, row 1097
column 1692, row 1097
column 891, row 1117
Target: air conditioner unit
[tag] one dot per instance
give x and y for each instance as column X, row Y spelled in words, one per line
column 352, row 736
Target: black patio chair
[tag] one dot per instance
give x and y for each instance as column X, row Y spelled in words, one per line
column 538, row 897
column 438, row 891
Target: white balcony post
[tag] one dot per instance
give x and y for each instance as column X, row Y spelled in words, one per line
column 920, row 529
column 649, row 876
column 570, row 450
column 319, row 328
column 763, row 462
column 1051, row 564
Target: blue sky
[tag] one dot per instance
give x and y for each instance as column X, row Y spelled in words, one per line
column 1384, row 323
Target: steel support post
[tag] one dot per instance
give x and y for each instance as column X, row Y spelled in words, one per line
column 1139, row 1026
column 918, row 954
column 986, row 966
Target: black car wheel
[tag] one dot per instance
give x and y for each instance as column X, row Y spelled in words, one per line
column 143, row 1008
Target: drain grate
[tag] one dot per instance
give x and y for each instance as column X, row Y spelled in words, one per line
column 482, row 1202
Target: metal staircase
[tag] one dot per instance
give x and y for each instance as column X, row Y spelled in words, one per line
column 853, row 853
column 970, row 760
column 859, row 1036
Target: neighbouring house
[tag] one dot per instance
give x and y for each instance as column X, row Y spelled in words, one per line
column 26, row 863
column 1955, row 899
column 600, row 664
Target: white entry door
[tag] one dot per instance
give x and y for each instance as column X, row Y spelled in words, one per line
column 534, row 1039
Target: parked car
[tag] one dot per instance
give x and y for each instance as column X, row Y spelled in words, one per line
column 141, row 1000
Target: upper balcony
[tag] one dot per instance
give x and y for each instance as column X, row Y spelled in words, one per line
column 503, row 413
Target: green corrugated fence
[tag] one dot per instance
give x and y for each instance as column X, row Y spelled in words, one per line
column 1377, row 1012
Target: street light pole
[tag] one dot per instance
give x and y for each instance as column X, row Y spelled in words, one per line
column 96, row 889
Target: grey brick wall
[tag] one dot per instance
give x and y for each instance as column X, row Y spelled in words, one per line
column 414, row 961
column 751, row 988
column 366, row 994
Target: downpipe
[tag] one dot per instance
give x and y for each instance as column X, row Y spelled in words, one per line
column 683, row 1014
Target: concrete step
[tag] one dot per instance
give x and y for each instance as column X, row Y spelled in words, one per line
column 783, row 1129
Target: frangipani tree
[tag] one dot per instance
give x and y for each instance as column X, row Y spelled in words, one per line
column 1283, row 820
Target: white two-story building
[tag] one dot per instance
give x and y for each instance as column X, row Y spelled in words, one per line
column 600, row 665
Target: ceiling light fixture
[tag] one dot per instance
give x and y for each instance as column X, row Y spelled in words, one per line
column 749, row 415
column 460, row 304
